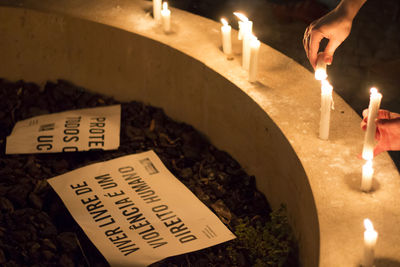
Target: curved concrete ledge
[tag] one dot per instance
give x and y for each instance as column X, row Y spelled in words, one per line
column 270, row 127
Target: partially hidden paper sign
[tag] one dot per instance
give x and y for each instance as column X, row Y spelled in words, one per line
column 136, row 212
column 69, row 131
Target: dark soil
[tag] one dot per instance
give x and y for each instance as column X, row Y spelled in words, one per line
column 37, row 230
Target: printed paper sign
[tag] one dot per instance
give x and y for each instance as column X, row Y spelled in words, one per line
column 136, row 212
column 69, row 131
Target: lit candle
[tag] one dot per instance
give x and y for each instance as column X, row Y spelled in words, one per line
column 326, row 105
column 253, row 68
column 367, row 175
column 320, row 70
column 166, row 18
column 370, row 237
column 157, row 9
column 245, row 32
column 226, row 37
column 369, row 140
column 240, row 37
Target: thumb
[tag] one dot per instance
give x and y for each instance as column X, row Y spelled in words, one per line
column 330, row 50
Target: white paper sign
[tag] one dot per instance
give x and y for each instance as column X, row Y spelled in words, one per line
column 136, row 212
column 69, row 131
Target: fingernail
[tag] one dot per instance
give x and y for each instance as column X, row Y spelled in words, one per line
column 328, row 60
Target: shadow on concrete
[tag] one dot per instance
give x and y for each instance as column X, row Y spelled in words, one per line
column 148, row 10
column 386, row 262
column 353, row 181
column 259, row 85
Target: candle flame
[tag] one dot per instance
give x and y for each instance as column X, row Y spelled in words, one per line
column 368, row 155
column 224, row 22
column 254, row 41
column 375, row 93
column 320, row 74
column 241, row 16
column 165, row 6
column 368, row 164
column 368, row 225
column 368, row 169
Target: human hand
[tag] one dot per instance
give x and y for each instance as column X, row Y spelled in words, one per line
column 387, row 130
column 335, row 26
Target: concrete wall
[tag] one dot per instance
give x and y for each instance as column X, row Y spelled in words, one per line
column 270, row 127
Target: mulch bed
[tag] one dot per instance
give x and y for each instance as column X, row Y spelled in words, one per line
column 37, row 230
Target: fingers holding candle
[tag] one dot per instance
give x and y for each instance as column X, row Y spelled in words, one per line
column 387, row 130
column 382, row 114
column 313, row 46
column 388, row 135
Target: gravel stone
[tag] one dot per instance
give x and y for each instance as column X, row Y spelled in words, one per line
column 68, row 241
column 6, row 205
column 2, row 257
column 36, row 201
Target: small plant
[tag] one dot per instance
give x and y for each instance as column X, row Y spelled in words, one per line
column 265, row 244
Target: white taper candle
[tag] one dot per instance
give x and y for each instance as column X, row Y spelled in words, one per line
column 370, row 238
column 367, row 175
column 326, row 105
column 254, row 49
column 246, row 45
column 226, row 37
column 157, row 9
column 166, row 18
column 369, row 140
column 240, row 37
column 245, row 30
